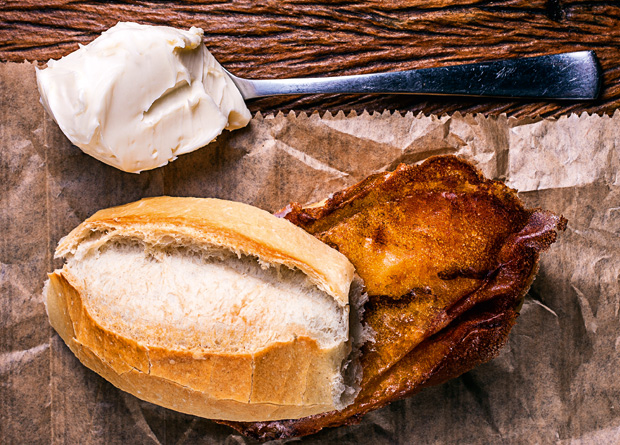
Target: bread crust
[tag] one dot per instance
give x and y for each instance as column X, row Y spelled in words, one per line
column 284, row 380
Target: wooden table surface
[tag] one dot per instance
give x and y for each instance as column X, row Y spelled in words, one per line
column 313, row 37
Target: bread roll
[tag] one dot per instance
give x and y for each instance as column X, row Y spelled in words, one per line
column 207, row 307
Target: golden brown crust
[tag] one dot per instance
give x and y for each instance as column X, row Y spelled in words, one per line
column 236, row 226
column 288, row 379
column 447, row 257
column 216, row 386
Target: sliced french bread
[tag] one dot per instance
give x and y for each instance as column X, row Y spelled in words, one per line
column 208, row 307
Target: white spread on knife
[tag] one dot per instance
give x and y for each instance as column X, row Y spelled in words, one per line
column 138, row 96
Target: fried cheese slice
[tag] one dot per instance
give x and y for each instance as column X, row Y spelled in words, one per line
column 446, row 256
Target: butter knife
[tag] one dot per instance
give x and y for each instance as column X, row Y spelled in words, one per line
column 567, row 76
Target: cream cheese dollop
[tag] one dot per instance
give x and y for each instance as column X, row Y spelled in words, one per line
column 138, row 96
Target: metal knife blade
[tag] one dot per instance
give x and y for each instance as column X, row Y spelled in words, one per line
column 567, row 76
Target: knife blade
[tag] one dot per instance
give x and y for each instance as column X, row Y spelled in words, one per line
column 567, row 76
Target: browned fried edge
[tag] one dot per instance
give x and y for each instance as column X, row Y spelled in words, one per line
column 474, row 337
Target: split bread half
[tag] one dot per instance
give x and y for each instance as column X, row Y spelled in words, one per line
column 208, row 307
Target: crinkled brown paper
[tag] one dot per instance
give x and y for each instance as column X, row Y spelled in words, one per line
column 557, row 379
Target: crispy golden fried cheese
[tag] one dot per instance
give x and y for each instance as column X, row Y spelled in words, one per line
column 446, row 256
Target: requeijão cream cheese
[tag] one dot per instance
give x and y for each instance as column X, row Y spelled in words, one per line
column 138, row 96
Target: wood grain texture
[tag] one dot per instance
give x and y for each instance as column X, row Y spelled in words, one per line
column 312, row 37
